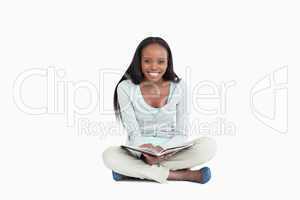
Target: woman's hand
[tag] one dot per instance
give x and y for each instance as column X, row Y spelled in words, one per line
column 158, row 148
column 148, row 145
column 149, row 159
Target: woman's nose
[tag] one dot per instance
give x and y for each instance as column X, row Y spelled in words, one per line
column 153, row 67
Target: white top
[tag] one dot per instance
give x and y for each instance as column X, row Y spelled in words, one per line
column 165, row 126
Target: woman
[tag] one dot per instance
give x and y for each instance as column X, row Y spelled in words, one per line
column 150, row 101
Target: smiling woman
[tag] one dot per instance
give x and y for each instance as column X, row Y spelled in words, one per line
column 150, row 101
column 154, row 65
column 154, row 62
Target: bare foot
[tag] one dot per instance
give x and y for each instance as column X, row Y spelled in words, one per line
column 185, row 175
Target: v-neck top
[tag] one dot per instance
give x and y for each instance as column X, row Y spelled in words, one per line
column 152, row 109
column 165, row 126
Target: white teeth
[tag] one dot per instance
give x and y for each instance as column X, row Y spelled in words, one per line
column 153, row 73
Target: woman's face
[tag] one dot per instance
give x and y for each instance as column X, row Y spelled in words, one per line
column 154, row 62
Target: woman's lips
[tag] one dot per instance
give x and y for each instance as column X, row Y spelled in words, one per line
column 153, row 74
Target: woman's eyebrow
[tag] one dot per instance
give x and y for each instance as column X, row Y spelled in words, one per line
column 160, row 58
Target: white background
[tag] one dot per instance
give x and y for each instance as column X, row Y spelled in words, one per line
column 42, row 158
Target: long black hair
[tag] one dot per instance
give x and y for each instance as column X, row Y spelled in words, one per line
column 134, row 71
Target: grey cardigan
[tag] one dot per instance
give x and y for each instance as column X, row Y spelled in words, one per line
column 166, row 126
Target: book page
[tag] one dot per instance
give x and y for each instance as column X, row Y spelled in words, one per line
column 163, row 152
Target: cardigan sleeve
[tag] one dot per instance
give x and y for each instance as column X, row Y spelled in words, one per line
column 128, row 118
column 182, row 118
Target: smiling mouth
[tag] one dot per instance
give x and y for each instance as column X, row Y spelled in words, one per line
column 153, row 74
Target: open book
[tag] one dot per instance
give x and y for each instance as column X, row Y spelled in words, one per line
column 166, row 151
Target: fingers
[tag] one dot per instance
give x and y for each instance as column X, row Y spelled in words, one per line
column 144, row 145
column 148, row 145
column 146, row 155
column 151, row 160
column 149, row 156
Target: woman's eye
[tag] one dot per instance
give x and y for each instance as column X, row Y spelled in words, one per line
column 161, row 61
column 146, row 61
